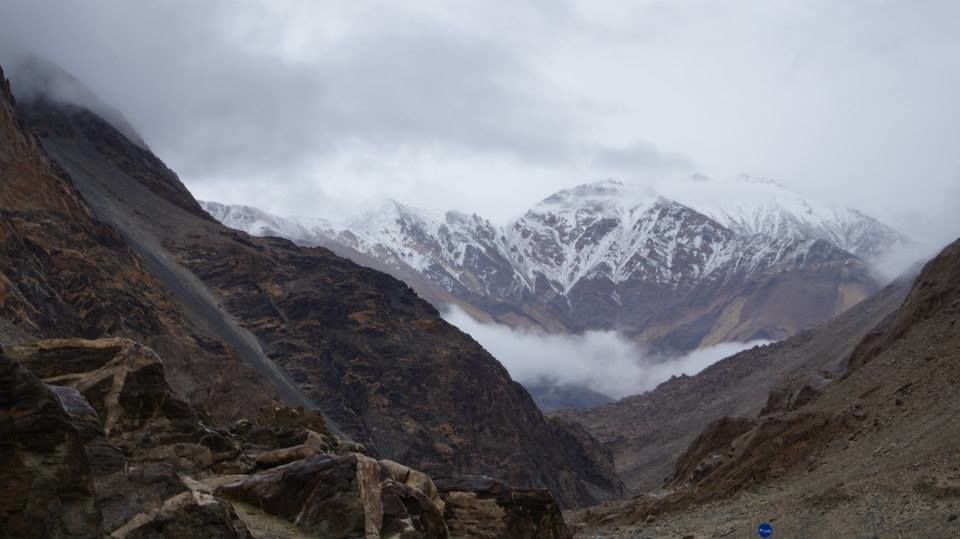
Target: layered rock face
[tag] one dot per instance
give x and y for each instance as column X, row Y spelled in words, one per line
column 245, row 322
column 114, row 450
column 64, row 273
column 46, row 485
column 138, row 437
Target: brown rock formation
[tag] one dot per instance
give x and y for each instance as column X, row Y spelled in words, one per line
column 188, row 515
column 484, row 508
column 138, row 435
column 346, row 496
column 145, row 446
column 46, row 486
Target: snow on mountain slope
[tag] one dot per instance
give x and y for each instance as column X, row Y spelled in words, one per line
column 751, row 205
column 610, row 256
column 614, row 232
column 603, row 230
column 260, row 223
column 456, row 250
column 586, row 231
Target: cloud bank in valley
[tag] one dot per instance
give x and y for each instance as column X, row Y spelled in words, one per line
column 605, row 362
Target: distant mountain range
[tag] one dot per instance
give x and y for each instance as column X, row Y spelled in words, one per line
column 729, row 260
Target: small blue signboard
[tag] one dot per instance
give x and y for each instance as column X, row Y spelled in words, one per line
column 765, row 530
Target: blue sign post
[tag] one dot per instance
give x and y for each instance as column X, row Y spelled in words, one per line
column 765, row 530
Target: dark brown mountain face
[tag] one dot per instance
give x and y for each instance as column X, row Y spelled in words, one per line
column 647, row 433
column 360, row 345
column 65, row 273
column 873, row 449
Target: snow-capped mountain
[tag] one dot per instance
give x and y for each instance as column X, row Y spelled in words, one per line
column 260, row 223
column 750, row 205
column 608, row 256
column 602, row 231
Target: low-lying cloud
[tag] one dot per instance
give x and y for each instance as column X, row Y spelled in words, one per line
column 603, row 361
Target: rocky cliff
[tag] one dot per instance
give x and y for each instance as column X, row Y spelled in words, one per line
column 316, row 329
column 66, row 273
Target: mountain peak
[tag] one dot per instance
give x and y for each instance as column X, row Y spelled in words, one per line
column 388, row 214
column 760, row 180
column 39, row 79
column 756, row 205
column 602, row 188
column 610, row 193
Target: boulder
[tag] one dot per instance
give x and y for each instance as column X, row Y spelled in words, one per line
column 191, row 514
column 285, row 455
column 104, row 457
column 46, row 486
column 138, row 435
column 484, row 508
column 345, row 496
column 126, row 385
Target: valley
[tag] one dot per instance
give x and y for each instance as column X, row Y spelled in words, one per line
column 656, row 354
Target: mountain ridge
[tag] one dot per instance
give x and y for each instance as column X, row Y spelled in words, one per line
column 597, row 256
column 358, row 344
column 861, row 435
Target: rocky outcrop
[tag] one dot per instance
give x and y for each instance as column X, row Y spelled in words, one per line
column 802, row 418
column 139, row 437
column 46, row 485
column 377, row 360
column 117, row 441
column 191, row 514
column 125, row 383
column 796, row 391
column 356, row 496
column 484, row 508
column 65, row 273
column 935, row 292
column 345, row 496
column 732, row 454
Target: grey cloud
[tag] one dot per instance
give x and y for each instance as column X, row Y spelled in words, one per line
column 603, row 361
column 451, row 105
column 212, row 105
column 640, row 156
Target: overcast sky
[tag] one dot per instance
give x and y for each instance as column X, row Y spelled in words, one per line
column 310, row 107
